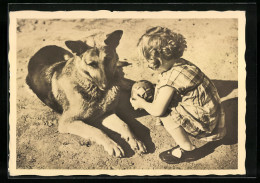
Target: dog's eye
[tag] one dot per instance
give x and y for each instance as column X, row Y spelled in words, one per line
column 93, row 64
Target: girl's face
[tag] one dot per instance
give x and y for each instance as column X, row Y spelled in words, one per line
column 154, row 63
column 157, row 62
column 160, row 64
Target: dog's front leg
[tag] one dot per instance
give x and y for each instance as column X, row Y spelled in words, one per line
column 114, row 123
column 78, row 127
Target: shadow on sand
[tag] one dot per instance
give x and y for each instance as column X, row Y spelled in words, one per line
column 230, row 108
column 126, row 113
column 231, row 117
column 129, row 115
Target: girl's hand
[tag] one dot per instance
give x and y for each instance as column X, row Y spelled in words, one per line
column 159, row 104
column 136, row 102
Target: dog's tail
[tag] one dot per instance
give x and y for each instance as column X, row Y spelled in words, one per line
column 41, row 68
column 233, row 94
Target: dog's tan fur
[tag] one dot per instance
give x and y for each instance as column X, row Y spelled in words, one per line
column 84, row 88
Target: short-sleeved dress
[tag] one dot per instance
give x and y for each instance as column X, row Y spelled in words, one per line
column 196, row 106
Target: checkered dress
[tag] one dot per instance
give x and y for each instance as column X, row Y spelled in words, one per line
column 196, row 105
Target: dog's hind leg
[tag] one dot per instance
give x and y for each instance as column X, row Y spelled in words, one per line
column 114, row 123
column 78, row 127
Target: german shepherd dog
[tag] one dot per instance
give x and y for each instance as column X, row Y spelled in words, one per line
column 83, row 87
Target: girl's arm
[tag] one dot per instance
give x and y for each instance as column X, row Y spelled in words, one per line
column 159, row 105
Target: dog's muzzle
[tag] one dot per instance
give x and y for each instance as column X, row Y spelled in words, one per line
column 103, row 87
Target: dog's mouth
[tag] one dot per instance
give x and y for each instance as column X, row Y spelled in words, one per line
column 102, row 88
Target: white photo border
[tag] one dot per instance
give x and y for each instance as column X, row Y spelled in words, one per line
column 240, row 15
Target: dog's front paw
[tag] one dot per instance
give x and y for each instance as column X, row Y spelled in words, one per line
column 137, row 145
column 114, row 149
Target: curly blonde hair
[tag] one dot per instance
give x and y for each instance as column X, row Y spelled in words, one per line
column 162, row 42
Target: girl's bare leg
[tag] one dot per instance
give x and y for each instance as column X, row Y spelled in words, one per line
column 178, row 133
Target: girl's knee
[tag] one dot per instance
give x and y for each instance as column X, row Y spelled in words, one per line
column 170, row 123
column 171, row 128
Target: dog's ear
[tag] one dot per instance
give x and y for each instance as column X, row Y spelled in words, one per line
column 77, row 47
column 113, row 38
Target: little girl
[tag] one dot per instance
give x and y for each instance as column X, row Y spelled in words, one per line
column 186, row 101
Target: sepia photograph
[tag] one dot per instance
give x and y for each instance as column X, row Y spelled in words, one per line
column 127, row 93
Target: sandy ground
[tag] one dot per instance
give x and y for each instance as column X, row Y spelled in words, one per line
column 212, row 45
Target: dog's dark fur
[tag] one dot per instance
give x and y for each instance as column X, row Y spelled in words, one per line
column 82, row 87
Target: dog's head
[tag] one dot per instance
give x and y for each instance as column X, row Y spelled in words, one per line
column 97, row 62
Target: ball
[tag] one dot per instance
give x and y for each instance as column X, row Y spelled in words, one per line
column 143, row 89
